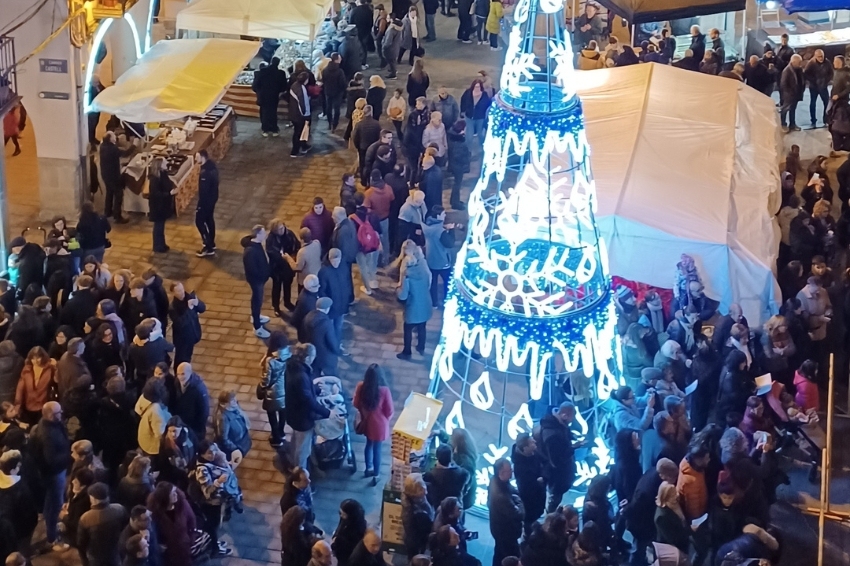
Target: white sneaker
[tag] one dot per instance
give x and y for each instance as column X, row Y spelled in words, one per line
column 366, row 290
column 262, row 333
column 374, row 284
column 264, row 319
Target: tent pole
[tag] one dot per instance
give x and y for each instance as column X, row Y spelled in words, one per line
column 633, row 35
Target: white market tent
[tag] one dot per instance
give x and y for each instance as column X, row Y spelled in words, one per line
column 176, row 78
column 686, row 163
column 279, row 19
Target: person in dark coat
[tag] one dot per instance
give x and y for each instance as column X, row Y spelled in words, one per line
column 791, row 86
column 51, row 449
column 353, row 55
column 757, row 75
column 27, row 260
column 269, row 83
column 156, row 287
column 354, row 92
column 305, row 305
column 334, row 86
column 417, row 515
column 297, row 493
column 141, row 524
column 705, row 369
column 320, row 223
column 349, row 532
column 818, row 73
column 639, row 513
column 27, row 331
column 736, row 386
column 281, row 242
column 18, row 510
column 697, row 43
column 160, row 202
column 74, row 383
column 670, row 525
column 134, row 488
column 528, row 469
column 11, row 364
column 138, row 306
column 459, row 159
column 446, row 479
column 546, row 543
column 256, row 264
column 192, row 403
column 78, row 502
column 116, row 425
column 174, row 522
column 58, row 274
column 302, row 407
column 110, row 172
column 334, row 278
column 102, row 352
column 320, row 331
column 689, row 62
column 361, row 18
column 300, row 113
column 626, row 471
column 431, row 182
column 185, row 324
column 344, row 239
column 149, row 348
column 365, row 133
column 207, row 199
column 507, row 513
column 557, row 450
column 417, row 120
column 368, row 551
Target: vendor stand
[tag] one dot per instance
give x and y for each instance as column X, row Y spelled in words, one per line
column 173, row 80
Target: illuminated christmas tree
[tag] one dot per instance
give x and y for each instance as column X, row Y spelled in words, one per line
column 530, row 303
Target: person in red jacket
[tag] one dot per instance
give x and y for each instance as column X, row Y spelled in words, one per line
column 374, row 402
column 808, row 396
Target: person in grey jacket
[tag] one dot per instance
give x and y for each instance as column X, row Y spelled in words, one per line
column 818, row 73
column 231, row 425
column 791, row 91
column 439, row 258
column 391, row 46
column 446, row 105
column 415, row 293
column 273, row 384
column 320, row 332
column 334, row 283
column 344, row 239
column 817, row 313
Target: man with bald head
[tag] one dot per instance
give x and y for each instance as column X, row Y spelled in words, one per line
column 791, row 85
column 818, row 75
column 368, row 551
column 757, row 75
column 321, row 554
column 51, row 450
column 192, row 402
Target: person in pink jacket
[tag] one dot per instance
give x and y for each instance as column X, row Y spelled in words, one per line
column 807, row 396
column 374, row 402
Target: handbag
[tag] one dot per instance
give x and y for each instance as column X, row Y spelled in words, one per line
column 359, row 424
column 420, row 51
column 261, row 391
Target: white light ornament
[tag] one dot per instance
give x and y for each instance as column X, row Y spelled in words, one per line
column 480, row 392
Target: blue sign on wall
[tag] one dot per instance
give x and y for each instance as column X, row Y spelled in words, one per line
column 53, row 66
column 792, row 6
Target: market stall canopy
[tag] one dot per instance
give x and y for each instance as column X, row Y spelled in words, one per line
column 673, row 179
column 278, row 19
column 642, row 11
column 794, row 6
column 176, row 78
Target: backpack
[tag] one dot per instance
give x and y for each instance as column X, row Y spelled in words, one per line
column 367, row 237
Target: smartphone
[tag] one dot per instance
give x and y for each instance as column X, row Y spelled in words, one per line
column 471, row 535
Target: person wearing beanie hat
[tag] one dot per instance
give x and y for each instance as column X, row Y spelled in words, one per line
column 459, row 157
column 379, row 202
column 306, row 303
column 627, row 312
column 320, row 331
column 411, row 216
column 431, row 182
column 100, row 528
column 335, row 283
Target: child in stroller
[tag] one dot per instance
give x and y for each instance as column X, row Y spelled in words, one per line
column 332, row 441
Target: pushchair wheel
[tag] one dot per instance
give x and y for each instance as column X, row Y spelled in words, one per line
column 352, row 462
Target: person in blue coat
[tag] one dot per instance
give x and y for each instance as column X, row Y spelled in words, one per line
column 185, row 324
column 415, row 292
column 192, row 403
column 302, row 407
column 319, row 331
column 257, row 272
column 334, row 279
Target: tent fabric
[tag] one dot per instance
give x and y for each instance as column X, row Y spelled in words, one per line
column 278, row 19
column 176, row 78
column 794, row 6
column 643, row 11
column 686, row 163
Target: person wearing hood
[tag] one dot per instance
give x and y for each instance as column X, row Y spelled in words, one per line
column 817, row 313
column 431, row 182
column 391, row 46
column 411, row 217
column 589, row 57
column 149, row 348
column 528, row 468
column 334, row 85
column 256, row 265
column 11, row 364
column 439, row 257
column 671, row 353
column 192, row 402
column 626, row 471
column 351, row 51
column 414, row 292
column 459, row 157
column 270, row 82
column 755, row 544
column 556, row 448
column 417, row 120
column 689, row 62
column 185, row 324
column 628, row 413
column 736, row 386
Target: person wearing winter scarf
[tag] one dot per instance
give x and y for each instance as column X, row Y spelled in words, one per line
column 739, row 340
column 656, row 312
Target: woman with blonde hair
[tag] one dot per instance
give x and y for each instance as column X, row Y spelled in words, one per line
column 375, row 95
column 417, row 515
column 160, row 201
column 137, row 485
column 670, row 525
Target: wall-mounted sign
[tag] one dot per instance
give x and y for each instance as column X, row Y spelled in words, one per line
column 54, row 95
column 53, row 66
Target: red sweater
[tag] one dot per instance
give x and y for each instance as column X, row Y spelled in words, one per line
column 377, row 421
column 808, row 396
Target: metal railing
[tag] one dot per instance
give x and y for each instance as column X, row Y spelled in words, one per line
column 8, row 75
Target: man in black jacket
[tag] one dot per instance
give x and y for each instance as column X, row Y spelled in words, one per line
column 305, row 304
column 757, row 75
column 99, row 531
column 185, row 325
column 141, row 524
column 640, row 511
column 81, row 306
column 506, row 512
column 299, row 113
column 320, row 332
column 207, row 197
column 365, row 133
column 818, row 73
column 446, row 479
column 528, row 468
column 302, row 407
column 156, row 288
column 269, row 83
column 333, row 88
column 361, row 18
column 697, row 43
column 51, row 450
column 192, row 403
column 138, row 306
column 256, row 264
column 110, row 172
column 557, row 449
column 791, row 89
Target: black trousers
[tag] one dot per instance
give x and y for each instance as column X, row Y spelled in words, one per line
column 443, row 274
column 414, row 47
column 257, row 290
column 408, row 337
column 277, row 422
column 268, row 117
column 205, row 222
column 159, row 244
column 182, row 352
column 465, row 28
column 334, row 103
column 504, row 548
column 114, row 200
column 212, row 520
column 284, row 281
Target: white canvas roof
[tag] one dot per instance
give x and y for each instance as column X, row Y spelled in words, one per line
column 281, row 19
column 686, row 163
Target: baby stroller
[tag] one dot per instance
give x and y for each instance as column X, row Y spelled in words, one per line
column 332, row 440
column 798, row 428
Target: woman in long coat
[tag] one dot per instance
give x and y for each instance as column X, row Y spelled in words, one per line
column 160, row 201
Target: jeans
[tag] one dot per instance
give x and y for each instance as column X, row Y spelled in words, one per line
column 115, row 200
column 372, row 455
column 435, row 286
column 282, row 281
column 182, row 352
column 789, row 109
column 430, row 28
column 54, row 496
column 297, row 144
column 480, row 29
column 398, row 130
column 385, row 242
column 479, row 129
column 494, row 40
column 814, row 93
column 465, row 28
column 257, row 290
column 268, row 117
column 337, row 320
column 332, row 111
column 96, row 252
column 408, row 337
column 391, row 61
column 277, row 422
column 159, row 236
column 205, row 222
column 368, row 265
column 301, row 447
